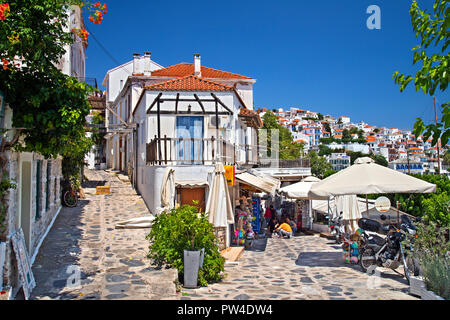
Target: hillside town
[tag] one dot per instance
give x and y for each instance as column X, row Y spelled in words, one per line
column 403, row 151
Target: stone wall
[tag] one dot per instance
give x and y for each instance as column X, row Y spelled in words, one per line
column 40, row 219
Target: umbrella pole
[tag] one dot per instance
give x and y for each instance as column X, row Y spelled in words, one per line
column 367, row 205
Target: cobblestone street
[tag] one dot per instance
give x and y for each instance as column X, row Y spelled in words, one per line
column 304, row 267
column 112, row 262
column 114, row 265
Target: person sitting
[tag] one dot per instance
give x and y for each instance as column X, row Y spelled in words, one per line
column 284, row 230
column 272, row 224
column 292, row 224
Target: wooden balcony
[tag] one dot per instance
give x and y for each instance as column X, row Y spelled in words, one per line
column 190, row 151
column 208, row 151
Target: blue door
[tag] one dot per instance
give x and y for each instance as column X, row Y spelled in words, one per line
column 190, row 149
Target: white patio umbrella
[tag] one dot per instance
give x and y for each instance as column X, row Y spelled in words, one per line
column 367, row 177
column 218, row 206
column 311, row 179
column 300, row 190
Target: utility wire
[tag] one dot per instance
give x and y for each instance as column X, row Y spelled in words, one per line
column 106, row 51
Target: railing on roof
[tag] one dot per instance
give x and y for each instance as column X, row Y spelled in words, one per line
column 284, row 163
column 93, row 83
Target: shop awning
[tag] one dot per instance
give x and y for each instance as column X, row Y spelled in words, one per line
column 191, row 183
column 261, row 183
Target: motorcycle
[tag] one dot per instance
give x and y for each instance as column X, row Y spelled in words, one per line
column 337, row 228
column 387, row 252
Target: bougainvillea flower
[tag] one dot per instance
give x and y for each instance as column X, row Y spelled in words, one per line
column 5, row 63
column 82, row 33
column 3, row 292
column 4, row 10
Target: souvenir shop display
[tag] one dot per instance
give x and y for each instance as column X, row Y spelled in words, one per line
column 351, row 246
column 244, row 223
column 256, row 210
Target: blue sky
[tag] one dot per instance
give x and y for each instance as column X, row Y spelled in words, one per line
column 317, row 55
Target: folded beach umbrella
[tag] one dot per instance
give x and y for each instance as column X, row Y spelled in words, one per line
column 218, row 206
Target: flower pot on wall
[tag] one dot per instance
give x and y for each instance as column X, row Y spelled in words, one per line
column 193, row 260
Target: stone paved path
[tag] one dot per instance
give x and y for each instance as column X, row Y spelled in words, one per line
column 304, row 267
column 112, row 262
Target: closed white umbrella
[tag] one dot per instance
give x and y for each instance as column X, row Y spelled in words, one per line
column 218, row 206
column 348, row 205
column 367, row 177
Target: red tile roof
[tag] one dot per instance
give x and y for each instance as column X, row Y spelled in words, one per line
column 189, row 83
column 185, row 69
column 251, row 114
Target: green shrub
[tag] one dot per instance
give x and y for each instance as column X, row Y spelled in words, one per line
column 185, row 229
column 431, row 249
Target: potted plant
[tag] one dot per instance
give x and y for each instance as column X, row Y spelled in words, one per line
column 430, row 249
column 184, row 239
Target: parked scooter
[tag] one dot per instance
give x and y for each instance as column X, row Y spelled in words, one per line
column 387, row 252
column 337, row 228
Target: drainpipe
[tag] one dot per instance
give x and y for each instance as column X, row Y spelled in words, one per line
column 136, row 139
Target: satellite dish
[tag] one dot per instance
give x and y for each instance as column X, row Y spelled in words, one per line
column 382, row 204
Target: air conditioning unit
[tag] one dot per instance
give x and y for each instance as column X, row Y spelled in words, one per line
column 223, row 121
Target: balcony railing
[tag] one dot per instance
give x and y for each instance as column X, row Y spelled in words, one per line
column 207, row 151
column 190, row 151
column 284, row 163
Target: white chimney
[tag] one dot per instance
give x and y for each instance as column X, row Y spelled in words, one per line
column 147, row 63
column 197, row 65
column 136, row 63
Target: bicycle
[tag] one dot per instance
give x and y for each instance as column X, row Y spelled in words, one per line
column 70, row 195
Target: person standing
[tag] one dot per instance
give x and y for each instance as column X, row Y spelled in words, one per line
column 268, row 215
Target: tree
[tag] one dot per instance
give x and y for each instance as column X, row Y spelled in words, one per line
column 324, row 150
column 327, row 127
column 379, row 159
column 433, row 30
column 376, row 130
column 287, row 148
column 49, row 107
column 346, row 136
column 446, row 160
column 327, row 140
column 433, row 206
column 319, row 165
column 320, row 116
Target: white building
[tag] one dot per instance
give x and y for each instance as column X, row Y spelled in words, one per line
column 339, row 161
column 186, row 117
